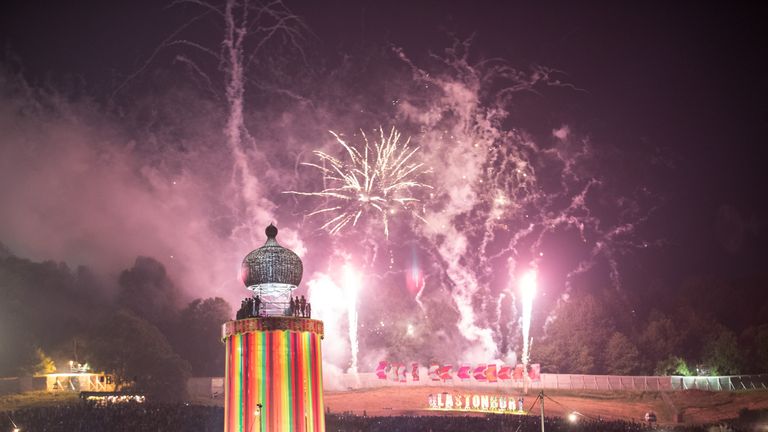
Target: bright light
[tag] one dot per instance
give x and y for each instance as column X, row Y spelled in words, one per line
column 351, row 287
column 527, row 293
column 329, row 304
column 528, row 284
column 572, row 417
column 410, row 330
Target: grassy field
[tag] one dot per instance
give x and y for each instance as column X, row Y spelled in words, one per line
column 32, row 399
column 693, row 407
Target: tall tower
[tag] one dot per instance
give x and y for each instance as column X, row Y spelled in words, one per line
column 274, row 379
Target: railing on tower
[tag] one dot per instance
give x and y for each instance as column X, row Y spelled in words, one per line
column 270, row 300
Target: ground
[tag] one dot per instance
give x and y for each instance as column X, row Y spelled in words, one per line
column 694, row 406
column 12, row 402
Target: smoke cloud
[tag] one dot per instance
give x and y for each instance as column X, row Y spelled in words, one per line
column 156, row 178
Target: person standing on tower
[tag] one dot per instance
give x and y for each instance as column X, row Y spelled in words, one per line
column 256, row 305
column 303, row 306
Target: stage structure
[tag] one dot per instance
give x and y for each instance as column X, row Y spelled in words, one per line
column 274, row 379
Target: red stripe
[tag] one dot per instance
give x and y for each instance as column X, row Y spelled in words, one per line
column 231, row 382
column 246, row 382
column 300, row 397
column 315, row 380
column 270, row 383
column 296, row 382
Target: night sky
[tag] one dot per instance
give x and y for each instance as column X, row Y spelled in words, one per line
column 671, row 96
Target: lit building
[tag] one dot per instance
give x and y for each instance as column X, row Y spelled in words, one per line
column 274, row 378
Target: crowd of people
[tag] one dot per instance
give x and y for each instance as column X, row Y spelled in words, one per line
column 124, row 417
column 250, row 307
column 495, row 422
column 253, row 307
column 300, row 307
column 137, row 417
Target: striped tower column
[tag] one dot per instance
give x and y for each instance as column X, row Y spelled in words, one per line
column 274, row 379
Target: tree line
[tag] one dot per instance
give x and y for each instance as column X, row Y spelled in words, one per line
column 144, row 331
column 154, row 337
column 600, row 334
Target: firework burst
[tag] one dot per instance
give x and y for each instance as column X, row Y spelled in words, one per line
column 379, row 178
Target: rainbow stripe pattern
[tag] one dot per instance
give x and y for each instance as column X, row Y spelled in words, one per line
column 279, row 369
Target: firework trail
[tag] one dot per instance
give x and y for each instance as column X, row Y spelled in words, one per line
column 527, row 292
column 504, row 191
column 381, row 177
column 351, row 288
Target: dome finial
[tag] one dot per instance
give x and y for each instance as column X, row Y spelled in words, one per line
column 271, row 265
column 271, row 231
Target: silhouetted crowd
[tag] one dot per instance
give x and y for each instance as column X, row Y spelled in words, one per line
column 126, row 417
column 493, row 422
column 300, row 307
column 199, row 418
column 250, row 307
column 511, row 423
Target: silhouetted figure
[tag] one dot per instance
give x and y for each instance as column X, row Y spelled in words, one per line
column 303, row 305
column 650, row 418
column 292, row 308
column 309, row 310
column 256, row 306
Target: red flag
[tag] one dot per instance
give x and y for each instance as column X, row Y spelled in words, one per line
column 534, row 373
column 490, row 373
column 479, row 373
column 505, row 372
column 381, row 370
column 518, row 374
column 463, row 372
column 432, row 371
column 445, row 372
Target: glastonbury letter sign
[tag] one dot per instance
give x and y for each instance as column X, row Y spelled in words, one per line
column 476, row 403
column 489, row 373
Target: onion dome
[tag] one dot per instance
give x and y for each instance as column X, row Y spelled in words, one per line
column 271, row 264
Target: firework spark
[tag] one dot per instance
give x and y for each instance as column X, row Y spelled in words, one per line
column 381, row 178
column 527, row 291
column 351, row 287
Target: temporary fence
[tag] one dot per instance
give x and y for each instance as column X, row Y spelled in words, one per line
column 567, row 382
column 721, row 383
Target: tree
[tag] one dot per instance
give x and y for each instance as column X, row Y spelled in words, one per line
column 32, row 297
column 673, row 365
column 138, row 354
column 198, row 335
column 756, row 339
column 721, row 354
column 659, row 340
column 576, row 340
column 147, row 291
column 621, row 355
column 45, row 364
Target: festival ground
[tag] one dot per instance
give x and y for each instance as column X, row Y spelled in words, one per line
column 689, row 406
column 695, row 406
